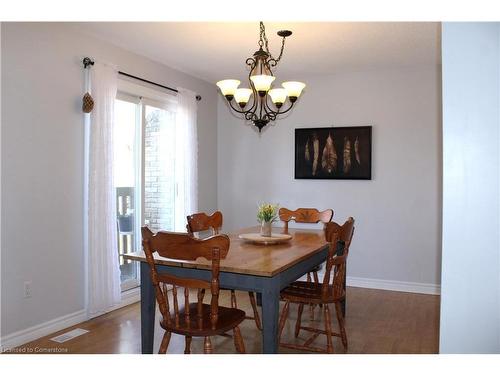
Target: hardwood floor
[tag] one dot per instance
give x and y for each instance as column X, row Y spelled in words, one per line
column 377, row 322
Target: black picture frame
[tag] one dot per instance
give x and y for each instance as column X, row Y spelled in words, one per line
column 330, row 146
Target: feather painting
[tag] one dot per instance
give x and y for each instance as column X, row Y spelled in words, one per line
column 315, row 154
column 329, row 157
column 347, row 155
column 307, row 155
column 356, row 150
column 333, row 153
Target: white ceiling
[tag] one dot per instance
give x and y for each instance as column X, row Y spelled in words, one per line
column 216, row 50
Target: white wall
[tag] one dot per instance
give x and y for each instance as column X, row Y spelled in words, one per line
column 470, row 309
column 42, row 163
column 397, row 213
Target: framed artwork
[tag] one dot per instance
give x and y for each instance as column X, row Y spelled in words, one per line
column 337, row 153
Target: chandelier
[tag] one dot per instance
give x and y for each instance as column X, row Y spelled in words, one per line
column 260, row 103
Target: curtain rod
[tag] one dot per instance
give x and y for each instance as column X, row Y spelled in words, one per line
column 88, row 61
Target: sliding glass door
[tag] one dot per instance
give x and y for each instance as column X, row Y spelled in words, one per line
column 146, row 175
column 127, row 137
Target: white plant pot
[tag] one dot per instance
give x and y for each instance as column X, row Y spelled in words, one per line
column 266, row 229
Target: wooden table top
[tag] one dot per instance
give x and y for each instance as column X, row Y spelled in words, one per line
column 252, row 259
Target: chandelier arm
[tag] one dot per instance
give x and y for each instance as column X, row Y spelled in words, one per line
column 254, row 105
column 288, row 109
column 255, row 98
column 268, row 65
column 269, row 111
column 261, row 107
column 251, row 63
column 236, row 109
column 271, row 115
column 250, row 115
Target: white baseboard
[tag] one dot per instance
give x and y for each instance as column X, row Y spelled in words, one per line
column 128, row 297
column 24, row 336
column 400, row 286
column 397, row 286
column 43, row 329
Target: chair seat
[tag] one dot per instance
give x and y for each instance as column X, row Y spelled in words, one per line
column 308, row 292
column 228, row 319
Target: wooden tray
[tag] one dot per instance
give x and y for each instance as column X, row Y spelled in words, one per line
column 257, row 238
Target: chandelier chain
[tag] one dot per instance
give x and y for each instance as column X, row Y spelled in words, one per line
column 263, row 42
column 281, row 52
column 263, row 37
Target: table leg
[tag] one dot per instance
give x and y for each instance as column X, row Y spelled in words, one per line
column 270, row 315
column 148, row 306
column 259, row 299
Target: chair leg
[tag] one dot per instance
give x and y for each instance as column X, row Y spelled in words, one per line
column 299, row 318
column 238, row 341
column 311, row 307
column 187, row 350
column 283, row 317
column 328, row 329
column 164, row 342
column 340, row 319
column 316, row 278
column 233, row 299
column 255, row 311
column 207, row 346
column 311, row 311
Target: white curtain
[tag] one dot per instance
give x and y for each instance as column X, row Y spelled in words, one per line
column 103, row 264
column 186, row 127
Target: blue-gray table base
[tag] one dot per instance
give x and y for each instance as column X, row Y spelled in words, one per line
column 267, row 287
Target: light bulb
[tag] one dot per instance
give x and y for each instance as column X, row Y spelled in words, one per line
column 228, row 87
column 242, row 96
column 262, row 83
column 293, row 89
column 278, row 96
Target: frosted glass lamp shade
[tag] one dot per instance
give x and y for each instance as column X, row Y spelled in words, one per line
column 242, row 96
column 262, row 83
column 278, row 96
column 293, row 89
column 228, row 87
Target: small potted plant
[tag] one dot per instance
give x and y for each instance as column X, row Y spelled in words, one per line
column 126, row 222
column 266, row 215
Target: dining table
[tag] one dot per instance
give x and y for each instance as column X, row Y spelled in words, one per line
column 261, row 268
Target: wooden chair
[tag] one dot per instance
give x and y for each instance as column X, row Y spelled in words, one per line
column 200, row 222
column 191, row 319
column 326, row 293
column 306, row 215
